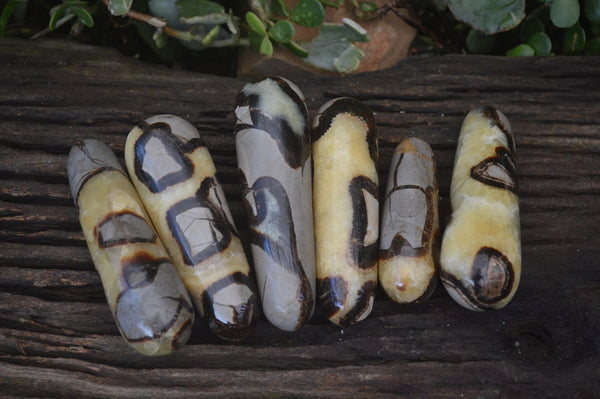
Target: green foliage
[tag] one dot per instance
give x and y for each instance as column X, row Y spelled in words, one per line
column 334, row 50
column 68, row 10
column 592, row 10
column 201, row 12
column 592, row 47
column 266, row 47
column 255, row 24
column 169, row 27
column 564, row 13
column 367, row 6
column 540, row 43
column 530, row 26
column 574, row 40
column 522, row 50
column 119, row 7
column 282, row 31
column 480, row 43
column 309, row 13
column 552, row 26
column 491, row 16
column 5, row 16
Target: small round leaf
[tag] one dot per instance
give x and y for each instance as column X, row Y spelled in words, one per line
column 541, row 43
column 574, row 40
column 309, row 13
column 367, row 6
column 592, row 47
column 282, row 31
column 529, row 27
column 564, row 13
column 119, row 7
column 522, row 50
column 480, row 43
column 255, row 24
column 592, row 10
column 266, row 47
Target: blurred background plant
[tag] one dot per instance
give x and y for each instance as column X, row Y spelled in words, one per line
column 204, row 35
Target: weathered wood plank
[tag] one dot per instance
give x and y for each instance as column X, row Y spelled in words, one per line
column 58, row 338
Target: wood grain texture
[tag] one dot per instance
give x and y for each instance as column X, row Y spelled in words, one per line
column 58, row 338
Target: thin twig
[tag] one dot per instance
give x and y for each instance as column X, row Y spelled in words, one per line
column 138, row 16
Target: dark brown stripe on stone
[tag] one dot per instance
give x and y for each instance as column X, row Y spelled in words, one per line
column 353, row 107
column 132, row 228
column 492, row 114
column 505, row 163
column 245, row 314
column 174, row 148
column 359, row 254
column 492, row 276
column 363, row 300
column 333, row 292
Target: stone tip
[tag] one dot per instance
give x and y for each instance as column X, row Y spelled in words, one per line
column 85, row 158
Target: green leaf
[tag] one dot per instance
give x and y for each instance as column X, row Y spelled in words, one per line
column 574, row 40
column 348, row 30
column 595, row 28
column 592, row 47
column 160, row 38
column 348, row 60
column 280, row 7
column 332, row 56
column 210, row 36
column 522, row 50
column 255, row 40
column 480, row 43
column 296, row 49
column 489, row 16
column 119, row 7
column 255, row 24
column 60, row 11
column 201, row 12
column 540, row 43
column 6, row 13
column 592, row 10
column 329, row 3
column 266, row 47
column 530, row 26
column 232, row 24
column 564, row 13
column 195, row 8
column 367, row 6
column 309, row 13
column 333, row 48
column 282, row 31
column 83, row 15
